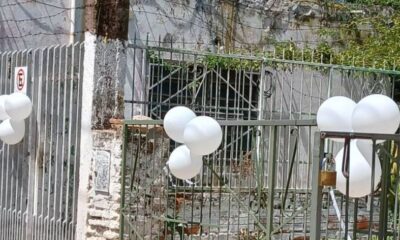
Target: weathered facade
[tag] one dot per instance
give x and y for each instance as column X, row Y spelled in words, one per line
column 117, row 72
column 104, row 188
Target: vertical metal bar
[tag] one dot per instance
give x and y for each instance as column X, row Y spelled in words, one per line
column 28, row 143
column 2, row 165
column 10, row 166
column 45, row 123
column 355, row 215
column 58, row 188
column 70, row 137
column 230, row 175
column 301, row 93
column 261, row 99
column 396, row 200
column 282, row 93
column 346, row 167
column 383, row 213
column 32, row 172
column 316, row 188
column 372, row 187
column 134, row 69
column 22, row 162
column 123, row 180
column 309, row 156
column 311, row 96
column 77, row 134
column 48, row 216
column 272, row 158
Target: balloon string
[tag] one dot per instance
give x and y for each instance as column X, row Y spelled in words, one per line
column 346, row 157
column 167, row 171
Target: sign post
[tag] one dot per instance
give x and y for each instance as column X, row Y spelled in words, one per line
column 21, row 76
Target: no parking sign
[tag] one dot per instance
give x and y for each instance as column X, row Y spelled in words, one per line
column 20, row 82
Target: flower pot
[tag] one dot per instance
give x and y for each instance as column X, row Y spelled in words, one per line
column 362, row 224
column 194, row 229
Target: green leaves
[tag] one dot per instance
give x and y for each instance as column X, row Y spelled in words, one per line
column 382, row 48
column 389, row 3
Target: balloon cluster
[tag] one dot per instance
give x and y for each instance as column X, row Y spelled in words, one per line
column 14, row 109
column 200, row 135
column 373, row 114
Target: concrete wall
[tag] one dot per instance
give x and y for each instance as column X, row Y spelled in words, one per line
column 32, row 24
column 109, row 75
column 204, row 23
column 105, row 63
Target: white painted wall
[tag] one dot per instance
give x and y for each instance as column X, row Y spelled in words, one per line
column 32, row 24
column 86, row 135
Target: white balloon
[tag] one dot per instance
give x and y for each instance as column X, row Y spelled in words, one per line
column 12, row 132
column 365, row 147
column 360, row 171
column 203, row 135
column 335, row 115
column 175, row 121
column 18, row 106
column 183, row 164
column 376, row 114
column 3, row 113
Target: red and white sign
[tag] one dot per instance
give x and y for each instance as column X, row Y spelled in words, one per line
column 21, row 79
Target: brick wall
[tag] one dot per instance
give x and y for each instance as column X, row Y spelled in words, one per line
column 104, row 197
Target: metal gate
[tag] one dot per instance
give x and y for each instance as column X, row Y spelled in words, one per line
column 373, row 217
column 256, row 186
column 39, row 176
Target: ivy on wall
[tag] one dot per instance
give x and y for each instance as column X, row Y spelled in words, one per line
column 363, row 40
column 388, row 3
column 371, row 42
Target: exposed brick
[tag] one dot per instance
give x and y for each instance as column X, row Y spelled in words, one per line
column 111, row 235
column 103, row 213
column 110, row 224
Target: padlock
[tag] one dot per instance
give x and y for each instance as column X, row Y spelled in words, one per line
column 328, row 172
column 328, row 179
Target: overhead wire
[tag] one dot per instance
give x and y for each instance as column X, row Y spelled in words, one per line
column 41, row 33
column 44, row 4
column 34, row 19
column 263, row 28
column 206, row 27
column 178, row 3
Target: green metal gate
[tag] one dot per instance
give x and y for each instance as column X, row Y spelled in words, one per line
column 373, row 217
column 256, row 186
column 259, row 184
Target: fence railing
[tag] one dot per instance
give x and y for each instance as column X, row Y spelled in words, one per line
column 374, row 218
column 257, row 184
column 39, row 176
column 261, row 185
column 244, row 87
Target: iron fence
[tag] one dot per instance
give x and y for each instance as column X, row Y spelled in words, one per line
column 264, row 169
column 238, row 194
column 245, row 87
column 375, row 216
column 39, row 176
column 263, row 187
